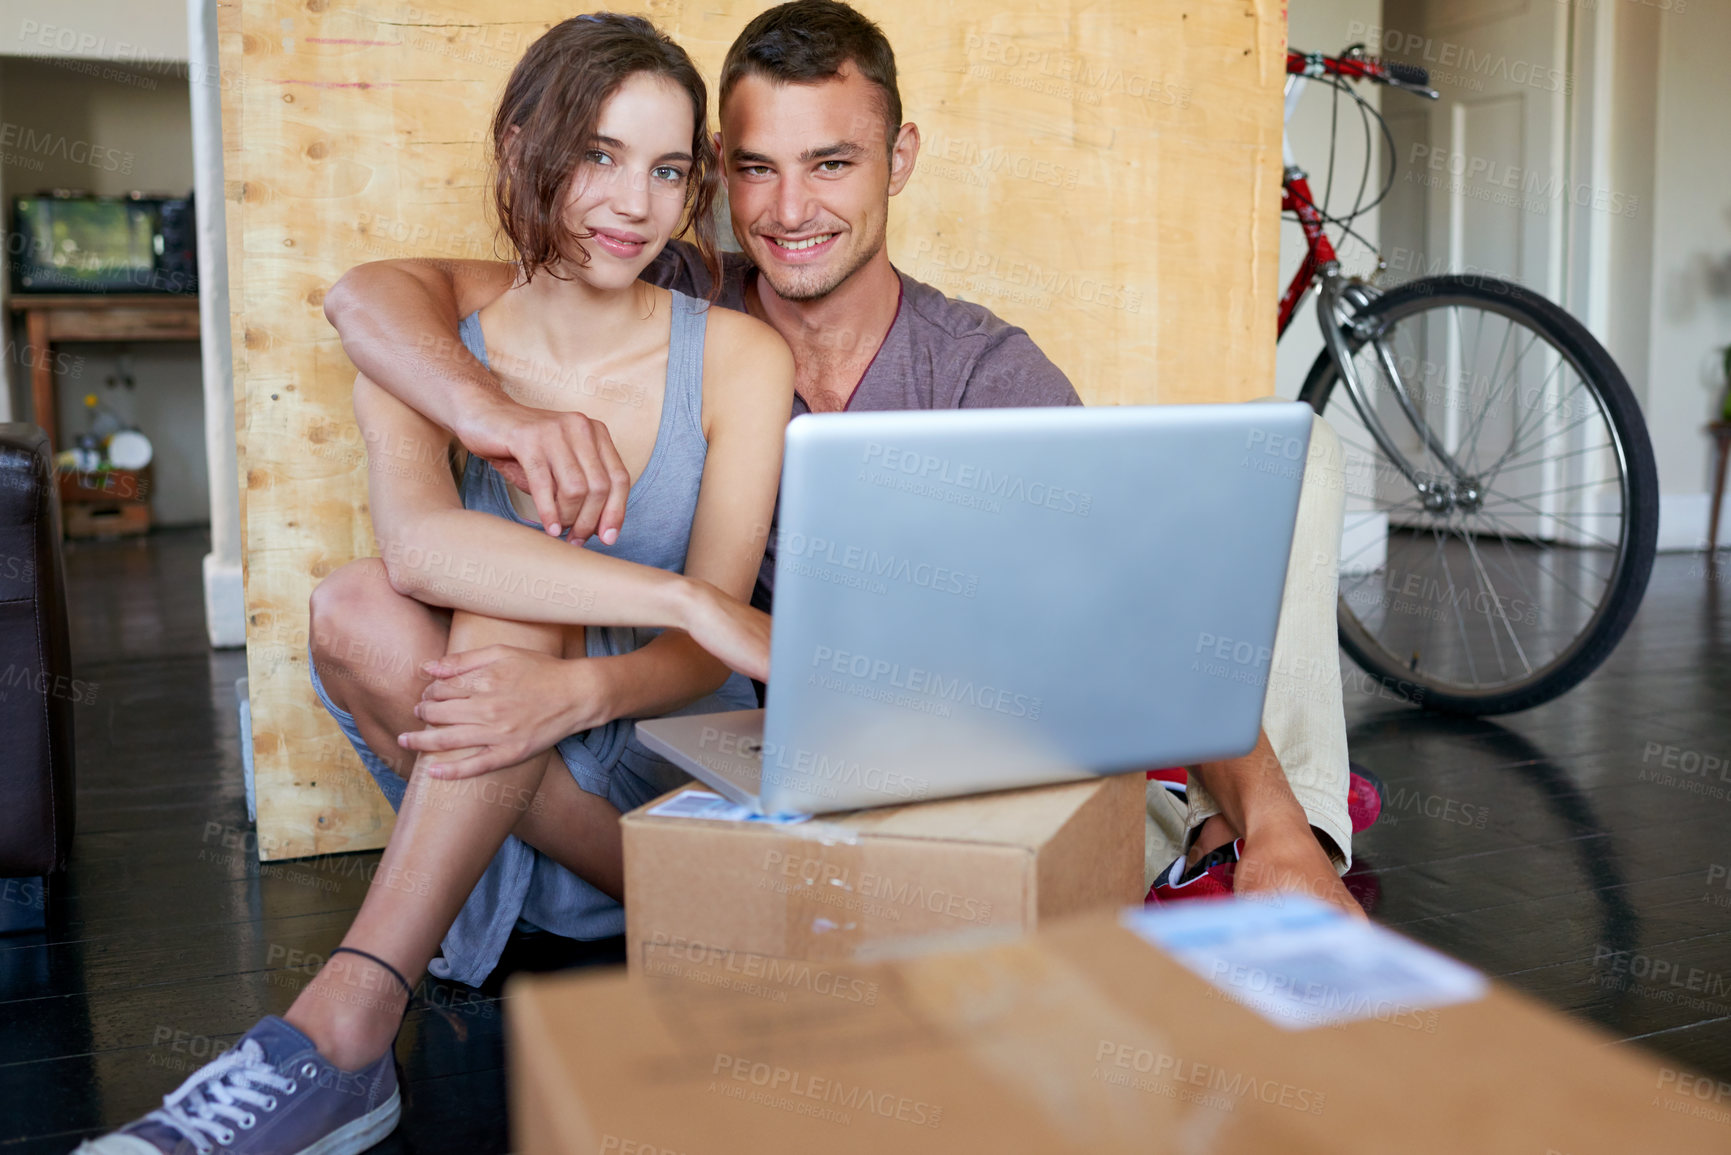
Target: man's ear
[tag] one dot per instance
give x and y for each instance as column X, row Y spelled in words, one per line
column 903, row 155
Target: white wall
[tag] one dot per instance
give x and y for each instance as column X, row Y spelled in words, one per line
column 145, row 32
column 109, row 74
column 1634, row 115
column 1689, row 311
column 132, row 128
column 1326, row 26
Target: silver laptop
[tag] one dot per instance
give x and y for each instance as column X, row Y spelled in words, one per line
column 985, row 599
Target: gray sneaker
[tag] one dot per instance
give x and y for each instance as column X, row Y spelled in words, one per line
column 272, row 1094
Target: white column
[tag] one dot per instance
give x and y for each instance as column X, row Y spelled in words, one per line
column 224, row 596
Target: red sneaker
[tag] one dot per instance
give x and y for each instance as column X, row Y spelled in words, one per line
column 1211, row 877
column 1176, row 779
column 1364, row 792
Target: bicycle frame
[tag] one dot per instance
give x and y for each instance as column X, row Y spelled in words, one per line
column 1321, row 263
column 1295, row 197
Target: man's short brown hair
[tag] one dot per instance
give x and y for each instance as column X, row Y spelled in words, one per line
column 806, row 41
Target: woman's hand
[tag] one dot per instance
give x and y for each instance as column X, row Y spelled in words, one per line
column 729, row 629
column 499, row 705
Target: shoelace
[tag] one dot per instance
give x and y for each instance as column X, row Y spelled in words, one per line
column 223, row 1090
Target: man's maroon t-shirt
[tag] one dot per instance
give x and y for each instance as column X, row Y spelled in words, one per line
column 939, row 353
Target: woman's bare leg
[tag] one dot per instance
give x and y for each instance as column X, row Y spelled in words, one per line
column 369, row 642
column 446, row 833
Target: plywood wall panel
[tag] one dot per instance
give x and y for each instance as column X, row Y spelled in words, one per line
column 1104, row 174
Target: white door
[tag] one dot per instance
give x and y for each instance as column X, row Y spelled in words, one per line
column 1482, row 187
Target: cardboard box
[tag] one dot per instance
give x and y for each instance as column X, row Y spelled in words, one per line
column 1081, row 1038
column 840, row 884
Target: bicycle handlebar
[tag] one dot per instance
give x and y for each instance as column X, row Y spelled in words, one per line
column 1354, row 65
column 1407, row 74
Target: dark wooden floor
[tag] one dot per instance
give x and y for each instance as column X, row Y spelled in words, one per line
column 1571, row 850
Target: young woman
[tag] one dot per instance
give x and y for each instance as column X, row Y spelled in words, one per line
column 603, row 154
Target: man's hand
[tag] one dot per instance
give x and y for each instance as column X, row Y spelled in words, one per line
column 1276, row 865
column 508, row 702
column 566, row 462
column 1281, row 851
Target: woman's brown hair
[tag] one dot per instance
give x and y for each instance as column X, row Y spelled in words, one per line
column 554, row 100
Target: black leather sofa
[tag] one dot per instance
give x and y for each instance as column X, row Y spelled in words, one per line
column 36, row 783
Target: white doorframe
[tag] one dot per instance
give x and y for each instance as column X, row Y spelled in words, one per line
column 224, row 594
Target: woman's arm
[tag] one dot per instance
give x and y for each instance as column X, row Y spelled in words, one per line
column 747, row 402
column 443, row 554
column 747, row 398
column 748, row 393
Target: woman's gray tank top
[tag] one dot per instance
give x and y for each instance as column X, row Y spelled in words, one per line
column 663, row 500
column 606, row 760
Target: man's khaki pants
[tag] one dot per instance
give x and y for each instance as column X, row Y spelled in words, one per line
column 1304, row 717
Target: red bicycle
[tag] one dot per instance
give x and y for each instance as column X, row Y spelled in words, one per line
column 1501, row 497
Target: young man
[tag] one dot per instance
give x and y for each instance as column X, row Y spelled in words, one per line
column 813, row 147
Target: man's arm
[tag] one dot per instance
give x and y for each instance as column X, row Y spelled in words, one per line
column 398, row 323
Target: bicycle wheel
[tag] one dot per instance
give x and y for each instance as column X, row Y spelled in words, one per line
column 1499, row 583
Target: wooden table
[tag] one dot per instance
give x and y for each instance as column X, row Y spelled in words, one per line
column 1721, row 431
column 51, row 317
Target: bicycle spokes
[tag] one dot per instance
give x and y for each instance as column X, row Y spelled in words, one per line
column 1488, row 515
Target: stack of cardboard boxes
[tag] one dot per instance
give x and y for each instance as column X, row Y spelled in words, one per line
column 973, row 975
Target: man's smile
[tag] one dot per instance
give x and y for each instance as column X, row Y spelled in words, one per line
column 802, row 248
